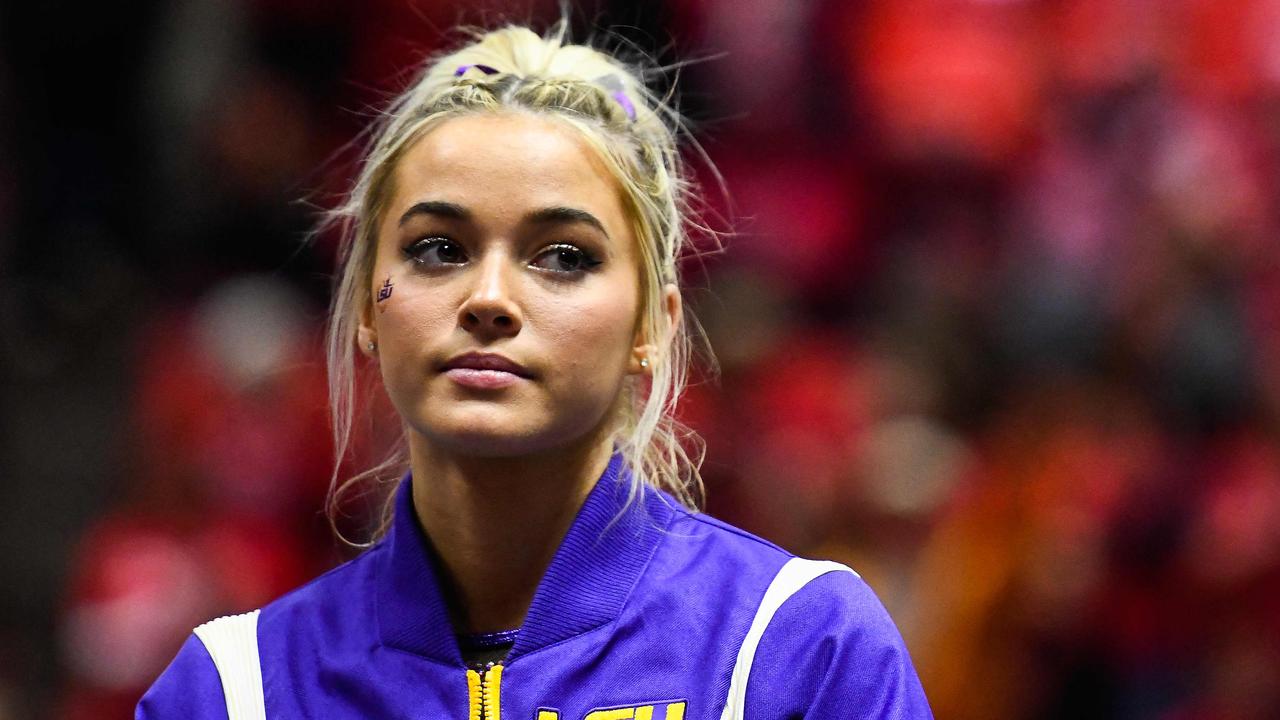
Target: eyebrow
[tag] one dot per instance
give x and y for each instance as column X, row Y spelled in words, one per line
column 542, row 216
column 437, row 208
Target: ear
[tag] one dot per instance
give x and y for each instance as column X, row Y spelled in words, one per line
column 653, row 351
column 365, row 331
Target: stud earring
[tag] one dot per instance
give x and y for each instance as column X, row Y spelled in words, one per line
column 373, row 346
column 644, row 363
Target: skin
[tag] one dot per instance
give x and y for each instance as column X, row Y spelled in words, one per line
column 499, row 474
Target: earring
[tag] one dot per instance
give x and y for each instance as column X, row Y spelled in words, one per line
column 373, row 346
column 644, row 363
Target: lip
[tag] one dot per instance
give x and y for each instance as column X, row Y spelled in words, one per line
column 485, row 371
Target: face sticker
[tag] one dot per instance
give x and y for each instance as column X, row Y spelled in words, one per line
column 384, row 292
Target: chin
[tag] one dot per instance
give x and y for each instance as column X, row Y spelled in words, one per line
column 493, row 435
column 486, row 434
column 487, row 445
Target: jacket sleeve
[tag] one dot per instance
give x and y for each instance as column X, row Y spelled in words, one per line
column 188, row 689
column 832, row 651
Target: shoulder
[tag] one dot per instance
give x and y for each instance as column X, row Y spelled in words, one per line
column 333, row 614
column 329, row 597
column 704, row 565
column 801, row 586
column 816, row 640
column 191, row 687
column 826, row 602
column 695, row 531
column 188, row 688
column 831, row 642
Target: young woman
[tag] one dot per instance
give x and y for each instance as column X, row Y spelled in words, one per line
column 511, row 269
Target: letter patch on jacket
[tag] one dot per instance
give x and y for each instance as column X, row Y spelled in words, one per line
column 667, row 710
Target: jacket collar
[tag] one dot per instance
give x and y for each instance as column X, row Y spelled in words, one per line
column 588, row 582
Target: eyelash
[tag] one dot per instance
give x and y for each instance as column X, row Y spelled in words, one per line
column 415, row 249
column 585, row 263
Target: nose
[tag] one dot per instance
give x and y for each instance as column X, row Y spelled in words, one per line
column 491, row 310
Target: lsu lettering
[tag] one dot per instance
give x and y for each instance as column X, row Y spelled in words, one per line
column 670, row 711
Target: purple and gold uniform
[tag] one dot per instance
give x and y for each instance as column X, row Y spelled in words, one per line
column 647, row 613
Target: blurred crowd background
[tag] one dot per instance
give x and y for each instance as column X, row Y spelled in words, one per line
column 999, row 324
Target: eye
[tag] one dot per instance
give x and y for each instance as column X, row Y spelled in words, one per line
column 436, row 251
column 565, row 259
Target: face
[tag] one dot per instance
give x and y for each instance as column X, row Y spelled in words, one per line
column 505, row 290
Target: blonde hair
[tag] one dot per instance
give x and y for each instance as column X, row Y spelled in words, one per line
column 634, row 133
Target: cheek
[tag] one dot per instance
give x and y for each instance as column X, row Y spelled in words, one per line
column 591, row 334
column 410, row 319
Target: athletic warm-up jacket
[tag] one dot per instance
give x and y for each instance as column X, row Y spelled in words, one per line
column 652, row 613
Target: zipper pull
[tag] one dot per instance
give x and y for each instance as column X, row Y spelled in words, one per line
column 484, row 687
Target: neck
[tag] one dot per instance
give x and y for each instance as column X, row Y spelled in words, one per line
column 496, row 522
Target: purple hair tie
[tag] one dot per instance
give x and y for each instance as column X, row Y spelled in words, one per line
column 616, row 91
column 625, row 102
column 483, row 68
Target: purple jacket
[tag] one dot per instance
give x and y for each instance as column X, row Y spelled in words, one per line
column 653, row 613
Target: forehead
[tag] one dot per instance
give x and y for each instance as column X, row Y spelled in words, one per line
column 502, row 165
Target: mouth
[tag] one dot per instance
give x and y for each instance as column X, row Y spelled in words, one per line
column 485, row 371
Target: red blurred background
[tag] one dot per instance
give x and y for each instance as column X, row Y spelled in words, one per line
column 999, row 324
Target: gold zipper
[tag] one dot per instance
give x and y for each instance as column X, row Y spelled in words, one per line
column 483, row 689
